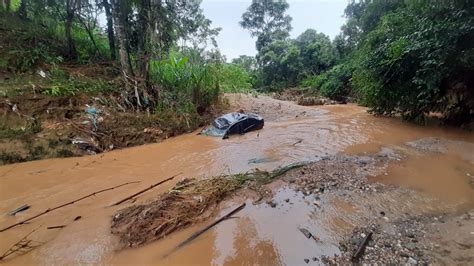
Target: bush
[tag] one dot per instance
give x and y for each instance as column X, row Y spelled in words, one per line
column 419, row 60
column 235, row 78
column 334, row 83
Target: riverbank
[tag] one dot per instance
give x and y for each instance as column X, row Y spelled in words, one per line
column 37, row 126
column 357, row 166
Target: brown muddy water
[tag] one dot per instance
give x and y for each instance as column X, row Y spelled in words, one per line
column 261, row 234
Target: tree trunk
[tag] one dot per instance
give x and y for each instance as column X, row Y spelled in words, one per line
column 7, row 5
column 22, row 10
column 71, row 46
column 143, row 40
column 120, row 30
column 110, row 29
column 90, row 34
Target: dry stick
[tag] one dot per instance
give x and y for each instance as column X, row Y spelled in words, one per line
column 55, row 227
column 63, row 205
column 82, row 129
column 144, row 190
column 200, row 232
column 20, row 244
column 360, row 249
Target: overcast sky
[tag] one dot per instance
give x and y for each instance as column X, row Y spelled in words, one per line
column 322, row 15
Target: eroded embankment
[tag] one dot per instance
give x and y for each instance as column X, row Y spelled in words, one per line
column 35, row 126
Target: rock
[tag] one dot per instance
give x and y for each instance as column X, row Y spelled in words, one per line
column 412, row 261
column 410, row 246
column 306, row 260
column 315, row 259
column 287, row 200
column 306, row 232
column 317, row 203
column 272, row 203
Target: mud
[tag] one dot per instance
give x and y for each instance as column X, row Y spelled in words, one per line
column 402, row 176
column 37, row 126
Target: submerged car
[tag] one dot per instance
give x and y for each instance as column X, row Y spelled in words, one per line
column 233, row 123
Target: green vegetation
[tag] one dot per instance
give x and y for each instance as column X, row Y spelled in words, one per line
column 170, row 66
column 417, row 59
column 262, row 177
column 409, row 58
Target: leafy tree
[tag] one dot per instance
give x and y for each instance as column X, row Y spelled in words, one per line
column 266, row 20
column 334, row 83
column 249, row 63
column 316, row 52
column 280, row 63
column 418, row 59
column 363, row 16
column 147, row 30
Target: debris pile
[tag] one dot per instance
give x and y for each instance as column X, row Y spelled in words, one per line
column 190, row 201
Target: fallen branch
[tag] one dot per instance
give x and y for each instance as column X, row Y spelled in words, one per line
column 297, row 142
column 361, row 248
column 22, row 245
column 144, row 190
column 83, row 130
column 63, row 205
column 56, row 227
column 19, row 209
column 203, row 230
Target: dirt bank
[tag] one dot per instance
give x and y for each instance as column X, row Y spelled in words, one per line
column 38, row 126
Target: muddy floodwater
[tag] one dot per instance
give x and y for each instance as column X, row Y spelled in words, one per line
column 261, row 234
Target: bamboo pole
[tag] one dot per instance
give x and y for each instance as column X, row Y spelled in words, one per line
column 144, row 190
column 63, row 205
column 203, row 230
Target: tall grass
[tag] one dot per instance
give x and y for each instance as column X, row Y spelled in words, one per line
column 186, row 86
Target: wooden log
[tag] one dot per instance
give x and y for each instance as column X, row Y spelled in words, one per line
column 361, row 248
column 144, row 190
column 200, row 232
column 63, row 205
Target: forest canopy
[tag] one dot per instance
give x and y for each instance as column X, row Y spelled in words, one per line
column 408, row 58
column 398, row 57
